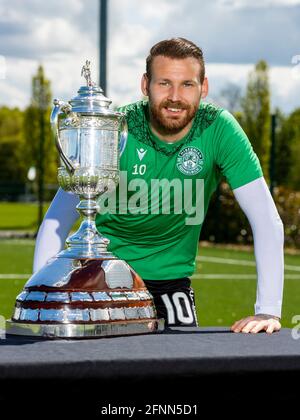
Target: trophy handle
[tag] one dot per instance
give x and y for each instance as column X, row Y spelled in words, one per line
column 123, row 136
column 60, row 105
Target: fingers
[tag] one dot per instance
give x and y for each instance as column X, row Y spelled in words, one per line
column 270, row 328
column 239, row 325
column 255, row 325
column 250, row 326
column 235, row 324
column 260, row 326
column 274, row 326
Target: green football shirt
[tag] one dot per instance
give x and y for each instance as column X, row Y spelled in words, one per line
column 154, row 218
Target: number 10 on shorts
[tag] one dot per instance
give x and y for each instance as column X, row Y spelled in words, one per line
column 179, row 307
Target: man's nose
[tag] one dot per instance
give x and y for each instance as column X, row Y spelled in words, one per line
column 174, row 94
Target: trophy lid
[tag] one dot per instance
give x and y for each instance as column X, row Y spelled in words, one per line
column 90, row 98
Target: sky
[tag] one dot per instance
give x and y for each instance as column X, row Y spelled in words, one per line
column 62, row 34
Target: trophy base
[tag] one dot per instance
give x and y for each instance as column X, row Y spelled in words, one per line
column 84, row 330
column 77, row 298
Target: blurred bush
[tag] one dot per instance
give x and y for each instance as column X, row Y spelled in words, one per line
column 226, row 223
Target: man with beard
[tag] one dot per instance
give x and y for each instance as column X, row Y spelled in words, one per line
column 175, row 136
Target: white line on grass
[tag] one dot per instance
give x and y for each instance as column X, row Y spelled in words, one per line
column 237, row 277
column 219, row 260
column 30, row 242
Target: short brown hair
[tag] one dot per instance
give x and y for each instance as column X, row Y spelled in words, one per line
column 176, row 48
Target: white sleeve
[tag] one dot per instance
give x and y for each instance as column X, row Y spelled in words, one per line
column 57, row 223
column 257, row 203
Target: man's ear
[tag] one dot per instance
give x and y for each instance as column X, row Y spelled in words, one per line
column 204, row 91
column 145, row 84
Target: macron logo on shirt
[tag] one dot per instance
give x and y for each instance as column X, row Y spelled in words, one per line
column 141, row 153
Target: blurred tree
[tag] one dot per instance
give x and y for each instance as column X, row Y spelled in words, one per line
column 289, row 152
column 283, row 153
column 12, row 166
column 36, row 119
column 40, row 150
column 255, row 118
column 230, row 97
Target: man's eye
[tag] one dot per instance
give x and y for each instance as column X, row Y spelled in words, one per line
column 164, row 83
column 188, row 84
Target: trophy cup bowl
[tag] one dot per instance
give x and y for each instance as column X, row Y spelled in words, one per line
column 85, row 291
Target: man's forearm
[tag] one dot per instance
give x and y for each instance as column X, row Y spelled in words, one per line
column 54, row 230
column 258, row 205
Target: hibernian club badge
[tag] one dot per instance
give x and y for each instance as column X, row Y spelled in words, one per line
column 190, row 161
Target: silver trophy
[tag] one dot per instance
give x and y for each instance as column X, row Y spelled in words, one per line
column 85, row 291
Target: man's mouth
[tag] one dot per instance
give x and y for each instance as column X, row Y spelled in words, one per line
column 174, row 110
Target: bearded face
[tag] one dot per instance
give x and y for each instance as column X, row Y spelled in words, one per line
column 174, row 92
column 170, row 117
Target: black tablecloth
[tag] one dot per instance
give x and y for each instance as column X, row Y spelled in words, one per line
column 178, row 365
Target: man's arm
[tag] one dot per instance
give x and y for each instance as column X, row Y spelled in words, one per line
column 258, row 205
column 57, row 223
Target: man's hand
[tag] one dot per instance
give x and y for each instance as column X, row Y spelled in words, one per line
column 256, row 323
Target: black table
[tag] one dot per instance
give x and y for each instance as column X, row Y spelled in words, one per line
column 180, row 366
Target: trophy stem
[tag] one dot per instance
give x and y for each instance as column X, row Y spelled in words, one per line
column 87, row 242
